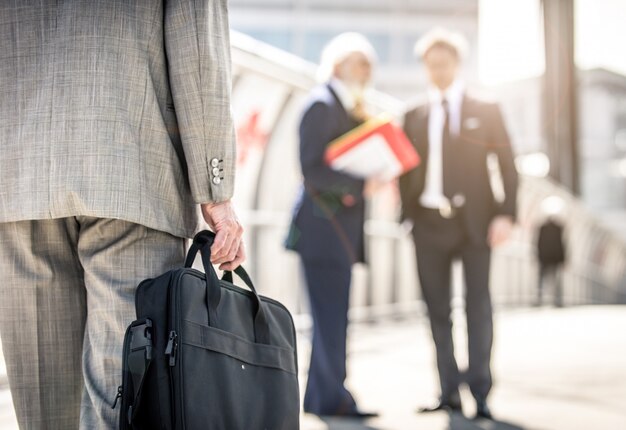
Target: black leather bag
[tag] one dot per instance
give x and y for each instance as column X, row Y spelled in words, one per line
column 206, row 354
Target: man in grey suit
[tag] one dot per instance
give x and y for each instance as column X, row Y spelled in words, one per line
column 115, row 131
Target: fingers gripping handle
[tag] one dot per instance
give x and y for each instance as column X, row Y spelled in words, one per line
column 202, row 242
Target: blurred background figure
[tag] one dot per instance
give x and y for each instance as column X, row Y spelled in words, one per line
column 327, row 228
column 551, row 251
column 451, row 204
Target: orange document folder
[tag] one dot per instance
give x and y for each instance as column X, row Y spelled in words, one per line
column 377, row 149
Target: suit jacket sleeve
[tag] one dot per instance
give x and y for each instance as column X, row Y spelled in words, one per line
column 197, row 45
column 501, row 146
column 406, row 181
column 316, row 132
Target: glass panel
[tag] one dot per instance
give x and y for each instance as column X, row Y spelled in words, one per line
column 317, row 40
column 279, row 38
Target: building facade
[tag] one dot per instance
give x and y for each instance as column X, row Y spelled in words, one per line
column 601, row 130
column 303, row 27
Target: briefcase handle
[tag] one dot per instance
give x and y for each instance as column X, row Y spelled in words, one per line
column 202, row 242
column 261, row 327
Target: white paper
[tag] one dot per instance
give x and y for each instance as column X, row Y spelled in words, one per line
column 371, row 158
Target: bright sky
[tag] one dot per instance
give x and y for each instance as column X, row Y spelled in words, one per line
column 511, row 37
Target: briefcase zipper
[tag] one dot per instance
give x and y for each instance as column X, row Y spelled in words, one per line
column 171, row 348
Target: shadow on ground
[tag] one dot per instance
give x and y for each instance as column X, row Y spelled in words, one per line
column 460, row 422
column 456, row 422
column 347, row 424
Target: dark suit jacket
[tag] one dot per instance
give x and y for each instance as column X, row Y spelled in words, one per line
column 323, row 229
column 550, row 247
column 482, row 133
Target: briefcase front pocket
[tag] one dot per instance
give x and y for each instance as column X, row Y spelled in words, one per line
column 265, row 375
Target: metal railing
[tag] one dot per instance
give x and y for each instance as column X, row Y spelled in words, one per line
column 389, row 287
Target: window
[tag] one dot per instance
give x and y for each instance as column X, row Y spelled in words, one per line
column 317, row 40
column 279, row 38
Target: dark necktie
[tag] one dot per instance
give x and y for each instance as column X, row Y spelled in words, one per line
column 448, row 155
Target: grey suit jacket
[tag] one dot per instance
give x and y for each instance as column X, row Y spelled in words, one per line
column 116, row 109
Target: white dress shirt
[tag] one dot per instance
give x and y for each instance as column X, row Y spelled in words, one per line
column 345, row 95
column 432, row 196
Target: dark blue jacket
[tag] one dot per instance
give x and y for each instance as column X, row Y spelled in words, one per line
column 323, row 228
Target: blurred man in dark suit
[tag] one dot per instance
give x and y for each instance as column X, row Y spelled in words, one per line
column 327, row 228
column 551, row 256
column 449, row 200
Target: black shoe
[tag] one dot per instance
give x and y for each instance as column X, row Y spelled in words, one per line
column 482, row 410
column 356, row 414
column 362, row 414
column 451, row 404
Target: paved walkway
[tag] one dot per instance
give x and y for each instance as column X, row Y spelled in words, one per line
column 561, row 369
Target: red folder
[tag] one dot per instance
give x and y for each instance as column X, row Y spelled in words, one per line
column 376, row 149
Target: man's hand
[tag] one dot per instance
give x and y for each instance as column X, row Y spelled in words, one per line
column 348, row 200
column 500, row 230
column 372, row 186
column 227, row 250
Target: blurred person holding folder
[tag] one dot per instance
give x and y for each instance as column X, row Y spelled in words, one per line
column 377, row 150
column 327, row 227
column 450, row 203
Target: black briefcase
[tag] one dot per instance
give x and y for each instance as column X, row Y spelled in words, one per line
column 206, row 354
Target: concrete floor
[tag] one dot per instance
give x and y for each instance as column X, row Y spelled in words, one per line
column 554, row 369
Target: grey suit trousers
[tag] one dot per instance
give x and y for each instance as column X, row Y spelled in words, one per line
column 67, row 288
